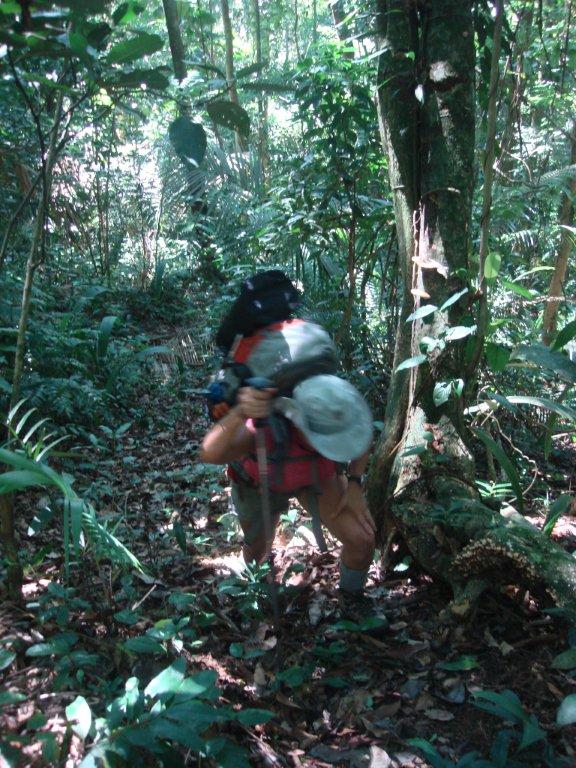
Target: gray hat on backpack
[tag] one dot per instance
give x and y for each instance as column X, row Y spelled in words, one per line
column 332, row 415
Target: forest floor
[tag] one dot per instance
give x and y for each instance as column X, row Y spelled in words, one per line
column 338, row 696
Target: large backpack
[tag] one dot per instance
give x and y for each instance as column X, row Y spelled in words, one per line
column 285, row 353
column 261, row 338
column 264, row 298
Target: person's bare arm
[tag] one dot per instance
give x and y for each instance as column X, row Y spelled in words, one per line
column 229, row 439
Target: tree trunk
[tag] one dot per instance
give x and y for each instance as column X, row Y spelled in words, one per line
column 488, row 176
column 175, row 39
column 14, row 571
column 230, row 74
column 262, row 97
column 422, row 479
column 564, row 250
column 339, row 16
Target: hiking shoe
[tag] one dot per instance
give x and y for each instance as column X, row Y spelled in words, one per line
column 358, row 613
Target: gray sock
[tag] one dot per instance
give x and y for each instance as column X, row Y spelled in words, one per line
column 351, row 580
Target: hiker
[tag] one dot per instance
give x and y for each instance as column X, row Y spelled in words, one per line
column 326, row 426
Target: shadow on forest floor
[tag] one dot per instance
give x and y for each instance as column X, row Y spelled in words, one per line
column 339, row 697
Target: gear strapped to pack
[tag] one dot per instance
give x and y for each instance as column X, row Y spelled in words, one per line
column 261, row 338
column 285, row 352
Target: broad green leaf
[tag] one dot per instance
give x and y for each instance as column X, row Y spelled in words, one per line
column 544, row 357
column 84, row 659
column 505, row 704
column 492, row 265
column 497, row 356
column 429, row 344
column 38, row 79
column 542, row 402
column 565, row 660
column 227, row 754
column 429, row 751
column 156, row 79
column 164, row 729
column 142, row 44
column 5, row 386
column 453, row 299
column 127, row 617
column 180, row 535
column 188, row 139
column 444, row 390
column 143, row 644
column 525, row 293
column 150, row 351
column 459, row 332
column 531, row 734
column 104, row 334
column 20, row 479
column 168, row 681
column 38, row 720
column 503, row 401
column 229, row 115
column 6, row 658
column 418, row 314
column 202, row 684
column 566, row 714
column 534, row 271
column 80, row 716
column 56, row 646
column 125, row 13
column 505, row 462
column 555, row 512
column 565, row 335
column 250, row 717
column 237, row 650
column 412, row 362
column 11, row 697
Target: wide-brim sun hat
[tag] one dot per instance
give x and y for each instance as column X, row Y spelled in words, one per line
column 331, row 414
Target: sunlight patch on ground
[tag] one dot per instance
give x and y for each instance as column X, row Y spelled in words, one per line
column 233, row 562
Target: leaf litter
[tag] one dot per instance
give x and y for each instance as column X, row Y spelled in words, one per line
column 339, row 698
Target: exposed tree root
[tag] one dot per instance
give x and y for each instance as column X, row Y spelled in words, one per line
column 457, row 538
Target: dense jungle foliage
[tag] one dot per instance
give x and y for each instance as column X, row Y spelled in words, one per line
column 411, row 164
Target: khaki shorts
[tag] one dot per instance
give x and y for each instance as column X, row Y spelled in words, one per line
column 247, row 503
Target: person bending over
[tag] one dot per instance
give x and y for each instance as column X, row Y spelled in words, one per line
column 324, row 425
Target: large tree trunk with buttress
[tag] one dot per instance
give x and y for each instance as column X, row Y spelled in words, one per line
column 422, row 480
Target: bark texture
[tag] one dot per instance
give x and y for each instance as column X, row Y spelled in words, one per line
column 175, row 39
column 422, row 480
column 555, row 292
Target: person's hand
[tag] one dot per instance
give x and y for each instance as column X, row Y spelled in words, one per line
column 354, row 502
column 255, row 403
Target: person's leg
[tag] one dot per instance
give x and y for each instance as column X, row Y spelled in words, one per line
column 357, row 541
column 247, row 503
